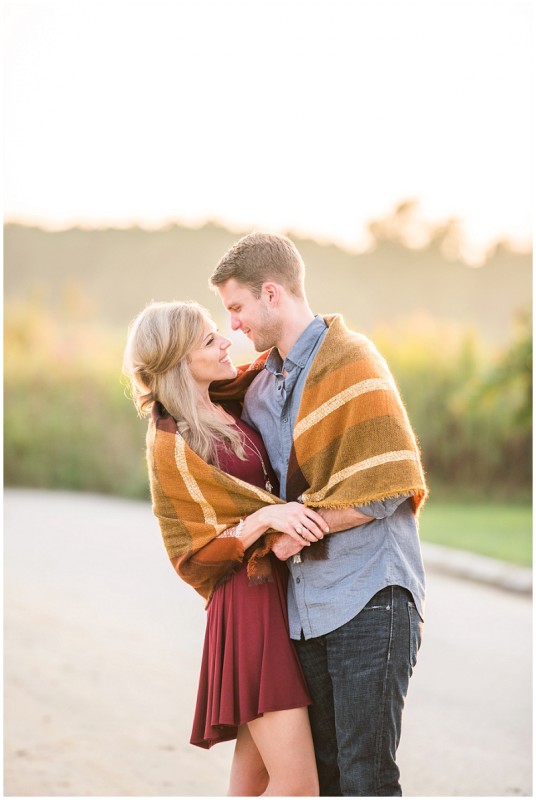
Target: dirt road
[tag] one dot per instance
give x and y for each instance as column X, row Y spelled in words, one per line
column 102, row 646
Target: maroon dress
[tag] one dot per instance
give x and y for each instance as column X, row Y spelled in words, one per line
column 249, row 665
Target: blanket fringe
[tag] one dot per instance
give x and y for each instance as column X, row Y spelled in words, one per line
column 367, row 499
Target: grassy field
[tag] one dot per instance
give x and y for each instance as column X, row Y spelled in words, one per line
column 496, row 530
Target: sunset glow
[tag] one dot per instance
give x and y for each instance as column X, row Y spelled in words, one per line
column 311, row 116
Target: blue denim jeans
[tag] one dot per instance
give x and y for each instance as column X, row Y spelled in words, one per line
column 358, row 676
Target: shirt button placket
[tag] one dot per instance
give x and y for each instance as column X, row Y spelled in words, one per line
column 299, row 594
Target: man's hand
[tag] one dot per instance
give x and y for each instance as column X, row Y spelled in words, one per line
column 285, row 547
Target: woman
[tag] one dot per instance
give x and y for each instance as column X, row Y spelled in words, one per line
column 211, row 485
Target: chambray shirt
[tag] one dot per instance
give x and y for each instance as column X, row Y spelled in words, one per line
column 325, row 594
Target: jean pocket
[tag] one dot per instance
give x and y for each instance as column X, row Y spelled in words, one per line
column 381, row 601
column 415, row 633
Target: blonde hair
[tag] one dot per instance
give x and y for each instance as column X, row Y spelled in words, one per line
column 156, row 362
column 259, row 257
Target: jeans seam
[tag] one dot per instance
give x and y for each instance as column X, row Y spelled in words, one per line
column 379, row 749
column 414, row 643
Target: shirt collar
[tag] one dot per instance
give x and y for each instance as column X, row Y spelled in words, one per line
column 300, row 351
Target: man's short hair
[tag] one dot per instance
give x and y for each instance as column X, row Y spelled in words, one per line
column 261, row 257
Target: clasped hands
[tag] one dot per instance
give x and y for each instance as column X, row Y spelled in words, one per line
column 327, row 520
column 300, row 525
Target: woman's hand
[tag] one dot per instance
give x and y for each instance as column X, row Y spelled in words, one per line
column 301, row 523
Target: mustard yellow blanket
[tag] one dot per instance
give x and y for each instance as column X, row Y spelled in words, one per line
column 353, row 444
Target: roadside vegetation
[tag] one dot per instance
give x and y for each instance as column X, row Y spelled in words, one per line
column 69, row 423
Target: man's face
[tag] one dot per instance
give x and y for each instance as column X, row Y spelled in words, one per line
column 254, row 316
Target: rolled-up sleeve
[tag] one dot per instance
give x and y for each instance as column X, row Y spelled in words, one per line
column 380, row 509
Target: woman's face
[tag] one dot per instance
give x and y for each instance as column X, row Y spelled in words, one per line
column 210, row 361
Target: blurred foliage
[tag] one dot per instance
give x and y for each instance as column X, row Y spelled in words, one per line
column 470, row 405
column 70, row 424
column 512, row 375
column 410, row 265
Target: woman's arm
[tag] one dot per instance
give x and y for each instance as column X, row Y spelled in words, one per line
column 224, row 554
column 209, row 565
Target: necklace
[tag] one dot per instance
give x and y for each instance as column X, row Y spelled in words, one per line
column 255, row 449
column 253, row 446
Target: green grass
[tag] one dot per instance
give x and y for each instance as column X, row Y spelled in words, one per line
column 496, row 530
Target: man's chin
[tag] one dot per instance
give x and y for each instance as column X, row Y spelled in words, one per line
column 261, row 347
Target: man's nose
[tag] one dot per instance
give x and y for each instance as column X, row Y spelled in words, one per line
column 235, row 323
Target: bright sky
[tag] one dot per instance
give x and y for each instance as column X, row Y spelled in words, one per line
column 303, row 115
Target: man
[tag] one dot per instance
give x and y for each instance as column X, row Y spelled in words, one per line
column 330, row 415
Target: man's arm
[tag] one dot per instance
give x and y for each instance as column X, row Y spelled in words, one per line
column 341, row 519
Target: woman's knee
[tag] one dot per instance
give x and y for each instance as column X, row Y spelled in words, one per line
column 248, row 785
column 306, row 787
column 284, row 741
column 249, row 777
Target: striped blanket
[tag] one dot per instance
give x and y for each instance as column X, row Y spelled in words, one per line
column 353, row 444
column 194, row 502
column 352, row 441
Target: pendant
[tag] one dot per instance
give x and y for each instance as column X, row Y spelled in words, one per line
column 268, row 485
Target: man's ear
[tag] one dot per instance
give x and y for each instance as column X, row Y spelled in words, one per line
column 272, row 292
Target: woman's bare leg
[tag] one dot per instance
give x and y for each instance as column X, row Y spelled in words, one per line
column 248, row 774
column 285, row 746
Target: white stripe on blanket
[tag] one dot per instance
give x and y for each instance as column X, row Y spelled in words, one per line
column 375, row 461
column 193, row 487
column 338, row 400
column 197, row 495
